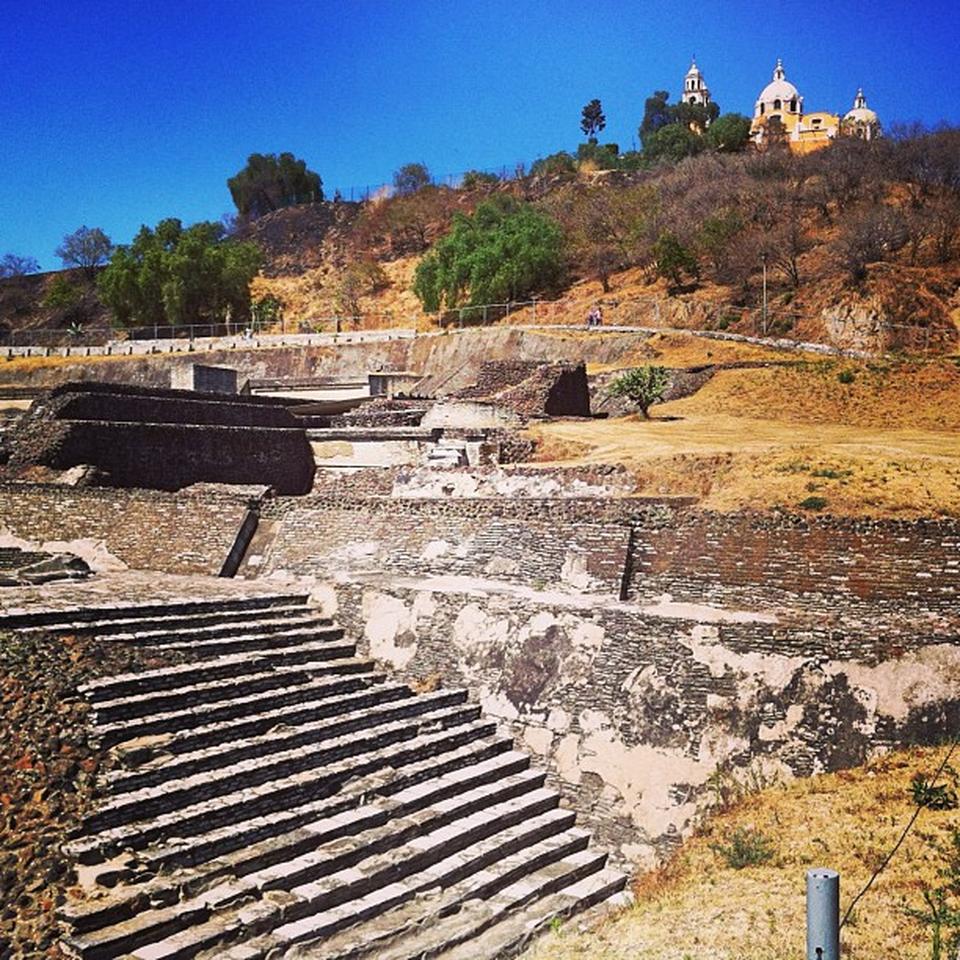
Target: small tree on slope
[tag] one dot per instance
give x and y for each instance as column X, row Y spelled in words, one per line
column 645, row 386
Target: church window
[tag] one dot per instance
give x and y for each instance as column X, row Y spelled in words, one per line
column 793, row 105
column 777, row 104
column 693, row 99
column 763, row 109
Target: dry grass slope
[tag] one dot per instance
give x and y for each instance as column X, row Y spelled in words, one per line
column 699, row 907
column 884, row 443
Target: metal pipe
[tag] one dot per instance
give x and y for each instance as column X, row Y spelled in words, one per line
column 823, row 914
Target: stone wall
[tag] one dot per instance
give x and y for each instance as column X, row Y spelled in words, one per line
column 163, row 440
column 581, row 544
column 738, row 559
column 533, row 389
column 633, row 712
column 186, row 532
column 640, row 647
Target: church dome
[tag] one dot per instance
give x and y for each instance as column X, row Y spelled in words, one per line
column 860, row 113
column 779, row 88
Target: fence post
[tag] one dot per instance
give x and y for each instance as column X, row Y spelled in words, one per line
column 823, row 914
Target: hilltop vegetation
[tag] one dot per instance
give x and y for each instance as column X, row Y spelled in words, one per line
column 859, row 241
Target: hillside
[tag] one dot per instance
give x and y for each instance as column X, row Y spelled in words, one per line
column 861, row 244
column 847, row 821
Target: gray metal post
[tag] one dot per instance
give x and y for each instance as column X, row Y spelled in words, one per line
column 823, row 914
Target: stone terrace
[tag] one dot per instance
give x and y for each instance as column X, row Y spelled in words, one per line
column 275, row 795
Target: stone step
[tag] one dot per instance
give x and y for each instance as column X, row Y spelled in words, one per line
column 279, row 737
column 296, row 831
column 408, row 931
column 51, row 618
column 323, row 908
column 356, row 836
column 331, row 901
column 511, row 935
column 221, row 678
column 439, row 775
column 147, row 622
column 206, row 637
column 185, row 729
column 208, row 828
column 257, row 771
column 251, row 640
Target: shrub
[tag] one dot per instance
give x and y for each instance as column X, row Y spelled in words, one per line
column 813, row 503
column 936, row 796
column 505, row 251
column 747, row 848
column 645, row 386
column 846, row 376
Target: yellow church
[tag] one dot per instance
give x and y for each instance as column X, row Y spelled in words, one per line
column 781, row 104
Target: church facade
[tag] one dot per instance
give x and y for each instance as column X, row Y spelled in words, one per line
column 779, row 117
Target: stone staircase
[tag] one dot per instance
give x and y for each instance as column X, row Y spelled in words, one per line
column 280, row 797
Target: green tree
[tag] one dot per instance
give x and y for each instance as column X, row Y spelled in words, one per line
column 410, row 178
column 673, row 260
column 729, row 133
column 556, row 164
column 13, row 266
column 503, row 252
column 592, row 120
column 656, row 115
column 87, row 248
column 61, row 294
column 644, row 386
column 672, row 143
column 695, row 116
column 473, row 179
column 269, row 182
column 604, row 156
column 175, row 275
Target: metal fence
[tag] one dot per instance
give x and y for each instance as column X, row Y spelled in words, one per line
column 776, row 326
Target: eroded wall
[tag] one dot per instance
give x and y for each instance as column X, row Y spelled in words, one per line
column 638, row 648
column 632, row 711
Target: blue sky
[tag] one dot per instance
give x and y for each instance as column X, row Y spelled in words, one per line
column 116, row 114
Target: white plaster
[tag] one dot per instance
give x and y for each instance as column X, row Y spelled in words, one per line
column 573, row 571
column 324, row 596
column 558, row 720
column 93, row 553
column 385, row 618
column 640, row 775
column 435, row 549
column 538, row 739
column 495, row 703
column 922, row 676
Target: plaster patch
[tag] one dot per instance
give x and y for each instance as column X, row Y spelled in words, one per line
column 435, row 549
column 642, row 775
column 385, row 619
column 917, row 678
column 538, row 739
column 558, row 720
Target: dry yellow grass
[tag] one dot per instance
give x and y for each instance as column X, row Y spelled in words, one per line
column 699, row 907
column 886, row 444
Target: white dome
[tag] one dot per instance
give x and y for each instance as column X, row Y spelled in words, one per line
column 861, row 113
column 779, row 88
column 694, row 70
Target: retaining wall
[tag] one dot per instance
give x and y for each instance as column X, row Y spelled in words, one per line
column 147, row 530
